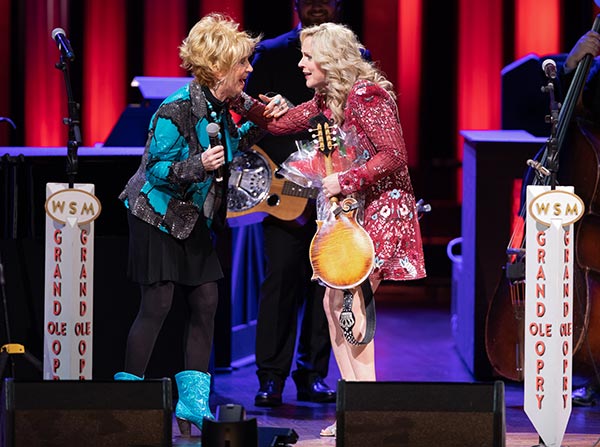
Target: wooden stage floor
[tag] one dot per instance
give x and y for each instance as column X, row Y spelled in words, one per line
column 414, row 343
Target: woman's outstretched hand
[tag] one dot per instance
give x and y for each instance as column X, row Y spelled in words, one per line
column 276, row 106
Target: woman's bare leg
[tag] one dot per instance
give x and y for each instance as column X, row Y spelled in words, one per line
column 356, row 363
column 332, row 302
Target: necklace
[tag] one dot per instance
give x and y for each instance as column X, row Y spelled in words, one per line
column 215, row 107
column 215, row 118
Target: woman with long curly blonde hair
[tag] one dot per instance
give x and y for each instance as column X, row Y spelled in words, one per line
column 355, row 96
column 337, row 52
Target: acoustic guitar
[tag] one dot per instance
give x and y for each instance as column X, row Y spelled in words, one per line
column 256, row 190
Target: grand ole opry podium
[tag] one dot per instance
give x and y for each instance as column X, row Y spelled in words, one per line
column 494, row 162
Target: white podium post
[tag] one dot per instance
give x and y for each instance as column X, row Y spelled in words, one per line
column 548, row 309
column 69, row 280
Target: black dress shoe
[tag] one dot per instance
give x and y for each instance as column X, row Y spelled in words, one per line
column 584, row 397
column 316, row 390
column 269, row 394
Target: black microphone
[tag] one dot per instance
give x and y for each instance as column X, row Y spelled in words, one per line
column 212, row 129
column 549, row 67
column 59, row 36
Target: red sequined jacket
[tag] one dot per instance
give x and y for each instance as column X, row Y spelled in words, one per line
column 390, row 215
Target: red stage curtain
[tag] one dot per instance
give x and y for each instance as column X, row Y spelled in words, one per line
column 45, row 97
column 233, row 8
column 104, row 71
column 396, row 47
column 5, row 41
column 537, row 27
column 409, row 73
column 479, row 66
column 164, row 30
column 383, row 35
column 380, row 35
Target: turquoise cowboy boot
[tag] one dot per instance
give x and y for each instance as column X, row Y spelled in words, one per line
column 192, row 405
column 127, row 376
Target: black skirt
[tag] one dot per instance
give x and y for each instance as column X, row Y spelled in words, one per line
column 157, row 256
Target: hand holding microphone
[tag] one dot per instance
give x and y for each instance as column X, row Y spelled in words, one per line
column 214, row 157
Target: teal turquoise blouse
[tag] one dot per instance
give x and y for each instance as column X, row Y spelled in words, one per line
column 171, row 188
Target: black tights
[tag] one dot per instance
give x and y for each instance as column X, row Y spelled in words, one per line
column 155, row 305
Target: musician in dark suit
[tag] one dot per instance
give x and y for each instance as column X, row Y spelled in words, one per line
column 287, row 285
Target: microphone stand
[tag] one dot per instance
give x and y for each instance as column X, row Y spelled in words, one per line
column 552, row 149
column 551, row 155
column 72, row 166
column 10, row 348
column 73, row 122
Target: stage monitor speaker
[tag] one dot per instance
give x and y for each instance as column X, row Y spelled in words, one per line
column 230, row 413
column 87, row 413
column 418, row 414
column 276, row 436
column 229, row 434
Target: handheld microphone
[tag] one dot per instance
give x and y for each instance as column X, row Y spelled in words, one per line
column 549, row 67
column 59, row 36
column 212, row 129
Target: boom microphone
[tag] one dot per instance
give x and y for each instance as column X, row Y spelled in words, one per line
column 59, row 36
column 212, row 129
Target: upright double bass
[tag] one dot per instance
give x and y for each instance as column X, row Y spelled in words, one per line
column 576, row 144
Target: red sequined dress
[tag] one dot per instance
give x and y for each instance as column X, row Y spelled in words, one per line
column 390, row 214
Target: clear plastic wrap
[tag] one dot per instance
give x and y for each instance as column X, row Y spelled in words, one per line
column 307, row 166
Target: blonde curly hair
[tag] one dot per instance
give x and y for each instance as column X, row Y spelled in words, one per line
column 337, row 51
column 213, row 47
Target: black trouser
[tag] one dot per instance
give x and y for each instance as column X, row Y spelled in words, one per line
column 286, row 288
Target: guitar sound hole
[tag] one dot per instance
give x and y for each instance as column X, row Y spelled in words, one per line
column 273, row 200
